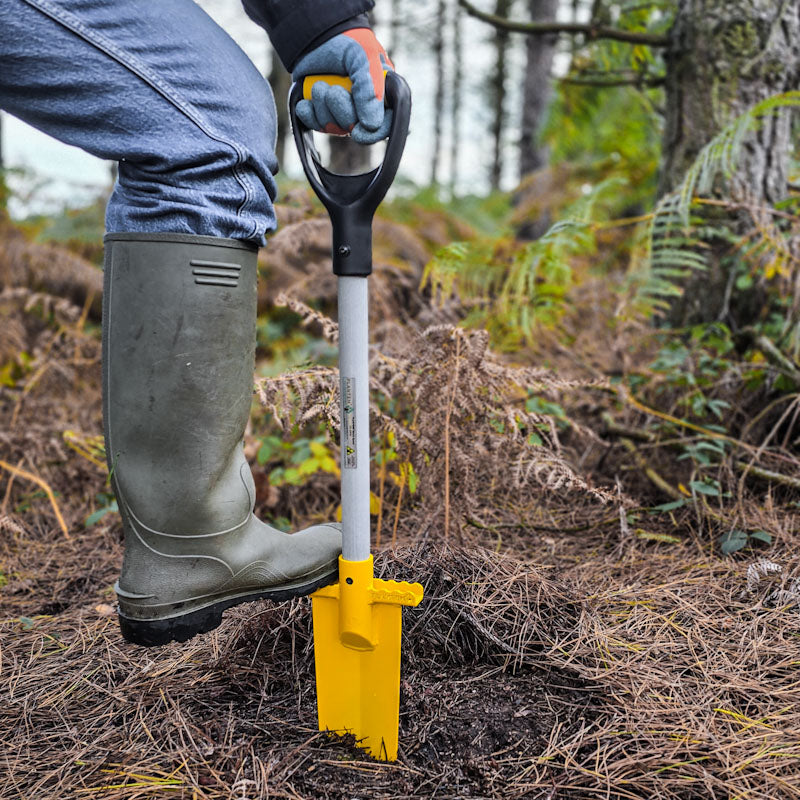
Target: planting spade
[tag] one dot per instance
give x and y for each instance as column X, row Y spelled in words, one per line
column 357, row 621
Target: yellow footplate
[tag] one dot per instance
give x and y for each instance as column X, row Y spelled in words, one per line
column 357, row 627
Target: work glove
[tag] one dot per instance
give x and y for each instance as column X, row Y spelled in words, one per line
column 357, row 54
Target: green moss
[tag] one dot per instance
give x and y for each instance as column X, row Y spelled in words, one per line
column 741, row 41
column 773, row 71
column 736, row 45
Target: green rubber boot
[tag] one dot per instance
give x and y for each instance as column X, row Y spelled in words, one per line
column 179, row 327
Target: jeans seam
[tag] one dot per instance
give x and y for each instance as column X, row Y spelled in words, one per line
column 138, row 68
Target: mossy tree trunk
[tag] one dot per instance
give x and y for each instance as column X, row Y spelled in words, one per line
column 724, row 56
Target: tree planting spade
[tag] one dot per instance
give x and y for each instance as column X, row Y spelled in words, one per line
column 357, row 621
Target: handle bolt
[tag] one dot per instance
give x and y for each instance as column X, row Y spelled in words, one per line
column 344, row 250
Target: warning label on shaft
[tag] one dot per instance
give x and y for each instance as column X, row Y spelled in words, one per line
column 348, row 423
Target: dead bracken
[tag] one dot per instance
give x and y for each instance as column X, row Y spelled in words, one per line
column 561, row 649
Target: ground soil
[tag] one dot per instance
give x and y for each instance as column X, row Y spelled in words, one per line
column 570, row 655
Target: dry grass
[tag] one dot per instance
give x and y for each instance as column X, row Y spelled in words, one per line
column 588, row 659
column 648, row 674
column 232, row 714
column 48, row 269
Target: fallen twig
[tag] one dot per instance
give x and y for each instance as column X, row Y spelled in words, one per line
column 22, row 473
column 768, row 474
column 652, row 475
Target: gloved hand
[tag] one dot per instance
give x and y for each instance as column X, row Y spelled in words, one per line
column 332, row 109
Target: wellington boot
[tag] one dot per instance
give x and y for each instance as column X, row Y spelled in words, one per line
column 179, row 325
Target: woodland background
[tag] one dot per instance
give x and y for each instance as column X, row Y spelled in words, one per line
column 586, row 392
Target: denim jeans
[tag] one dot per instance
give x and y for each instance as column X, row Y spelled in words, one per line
column 158, row 87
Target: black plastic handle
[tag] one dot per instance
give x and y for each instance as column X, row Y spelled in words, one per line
column 351, row 200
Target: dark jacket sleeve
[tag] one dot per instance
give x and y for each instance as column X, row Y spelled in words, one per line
column 295, row 26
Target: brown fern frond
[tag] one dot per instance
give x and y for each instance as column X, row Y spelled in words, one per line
column 329, row 328
column 458, row 417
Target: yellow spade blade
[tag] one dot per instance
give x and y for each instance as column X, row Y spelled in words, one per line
column 357, row 627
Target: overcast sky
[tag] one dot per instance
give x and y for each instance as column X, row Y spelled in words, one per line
column 69, row 176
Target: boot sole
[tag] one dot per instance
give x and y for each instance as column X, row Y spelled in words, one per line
column 181, row 628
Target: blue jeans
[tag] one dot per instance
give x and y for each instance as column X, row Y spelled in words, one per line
column 158, row 87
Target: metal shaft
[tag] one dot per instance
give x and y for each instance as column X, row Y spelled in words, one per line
column 354, row 438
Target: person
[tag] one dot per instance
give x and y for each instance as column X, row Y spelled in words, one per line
column 161, row 89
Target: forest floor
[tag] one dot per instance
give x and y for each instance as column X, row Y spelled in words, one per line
column 579, row 655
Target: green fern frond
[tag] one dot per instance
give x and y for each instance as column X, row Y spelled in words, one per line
column 518, row 286
column 722, row 154
column 673, row 245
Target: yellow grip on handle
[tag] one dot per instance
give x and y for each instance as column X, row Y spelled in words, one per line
column 332, row 80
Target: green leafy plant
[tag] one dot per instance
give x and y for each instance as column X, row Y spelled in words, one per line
column 296, row 461
column 736, row 539
column 547, row 408
column 693, row 367
column 707, row 486
column 606, row 107
column 17, row 367
column 287, row 345
column 108, row 505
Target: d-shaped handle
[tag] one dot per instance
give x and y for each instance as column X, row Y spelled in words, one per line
column 351, row 200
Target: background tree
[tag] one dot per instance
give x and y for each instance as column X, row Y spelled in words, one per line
column 438, row 103
column 724, row 57
column 395, row 24
column 456, row 87
column 536, row 87
column 720, row 58
column 3, row 191
column 280, row 81
column 497, row 93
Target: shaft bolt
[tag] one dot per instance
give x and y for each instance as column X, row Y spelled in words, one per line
column 344, row 250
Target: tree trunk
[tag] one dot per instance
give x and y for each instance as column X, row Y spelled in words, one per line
column 347, row 157
column 280, row 81
column 456, row 87
column 724, row 56
column 438, row 103
column 536, row 89
column 394, row 29
column 498, row 93
column 3, row 187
